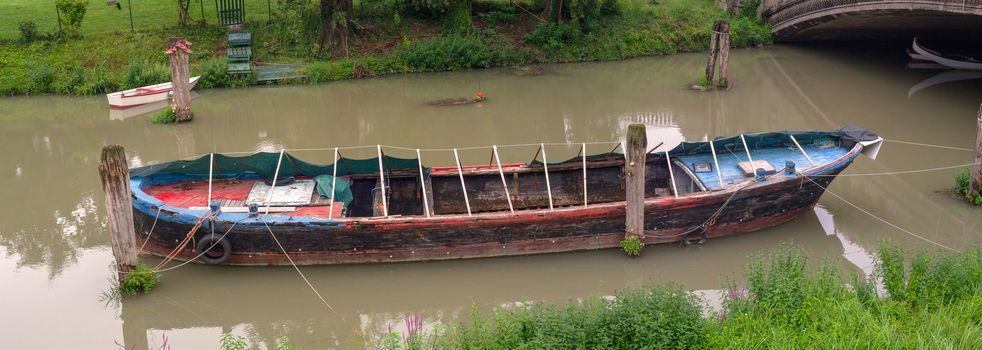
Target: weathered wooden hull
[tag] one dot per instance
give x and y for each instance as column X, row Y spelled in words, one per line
column 398, row 239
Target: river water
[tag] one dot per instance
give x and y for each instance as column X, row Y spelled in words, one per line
column 55, row 257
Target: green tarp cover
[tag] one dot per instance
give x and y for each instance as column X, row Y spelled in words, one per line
column 340, row 193
column 264, row 164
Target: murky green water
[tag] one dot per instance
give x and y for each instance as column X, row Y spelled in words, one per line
column 55, row 255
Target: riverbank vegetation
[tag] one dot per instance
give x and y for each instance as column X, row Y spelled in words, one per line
column 362, row 39
column 929, row 301
column 963, row 187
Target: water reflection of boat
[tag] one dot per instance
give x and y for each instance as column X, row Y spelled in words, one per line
column 952, row 61
column 688, row 191
column 942, row 78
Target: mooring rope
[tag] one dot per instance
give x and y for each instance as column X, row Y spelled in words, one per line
column 151, row 228
column 929, row 145
column 879, row 218
column 203, row 251
column 711, row 217
column 902, row 171
column 184, row 243
column 297, row 268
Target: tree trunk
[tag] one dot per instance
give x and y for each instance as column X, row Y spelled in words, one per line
column 713, row 49
column 179, row 73
column 724, row 55
column 114, row 171
column 976, row 178
column 336, row 18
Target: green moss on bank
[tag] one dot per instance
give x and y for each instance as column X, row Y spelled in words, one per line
column 503, row 35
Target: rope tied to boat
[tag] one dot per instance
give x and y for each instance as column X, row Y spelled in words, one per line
column 709, row 221
column 203, row 251
column 297, row 268
column 188, row 238
column 879, row 218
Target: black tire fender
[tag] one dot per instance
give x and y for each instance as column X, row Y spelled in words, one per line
column 210, row 245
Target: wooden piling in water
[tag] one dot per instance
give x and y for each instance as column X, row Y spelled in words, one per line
column 976, row 178
column 637, row 145
column 724, row 54
column 178, row 50
column 713, row 50
column 115, row 176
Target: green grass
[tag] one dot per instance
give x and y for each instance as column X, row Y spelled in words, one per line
column 101, row 18
column 932, row 301
column 107, row 58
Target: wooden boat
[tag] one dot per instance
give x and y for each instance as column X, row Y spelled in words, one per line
column 950, row 61
column 697, row 190
column 143, row 95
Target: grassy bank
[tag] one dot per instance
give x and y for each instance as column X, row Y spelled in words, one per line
column 929, row 301
column 385, row 42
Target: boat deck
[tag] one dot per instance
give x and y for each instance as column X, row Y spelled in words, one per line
column 232, row 195
column 775, row 156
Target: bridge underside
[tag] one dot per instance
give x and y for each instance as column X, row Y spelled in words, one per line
column 879, row 24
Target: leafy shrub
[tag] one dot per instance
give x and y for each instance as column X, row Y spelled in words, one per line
column 28, row 31
column 138, row 75
column 214, row 74
column 42, row 77
column 553, row 37
column 447, row 53
column 613, row 7
column 141, row 279
column 963, row 187
column 164, row 116
column 458, row 18
column 71, row 13
column 98, row 82
column 498, row 16
column 318, row 72
column 653, row 317
column 631, row 246
column 73, row 81
column 230, row 341
column 585, row 13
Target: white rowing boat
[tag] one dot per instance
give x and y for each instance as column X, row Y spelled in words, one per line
column 950, row 61
column 143, row 95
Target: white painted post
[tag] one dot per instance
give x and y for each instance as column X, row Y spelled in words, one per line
column 501, row 172
column 460, row 172
column 747, row 148
column 276, row 174
column 211, row 172
column 584, row 175
column 545, row 166
column 671, row 174
column 422, row 183
column 801, row 149
column 719, row 172
column 381, row 176
column 334, row 182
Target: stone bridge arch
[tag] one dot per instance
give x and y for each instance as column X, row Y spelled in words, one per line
column 827, row 20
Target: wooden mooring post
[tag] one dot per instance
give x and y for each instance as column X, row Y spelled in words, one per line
column 719, row 51
column 178, row 50
column 976, row 178
column 637, row 145
column 115, row 174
